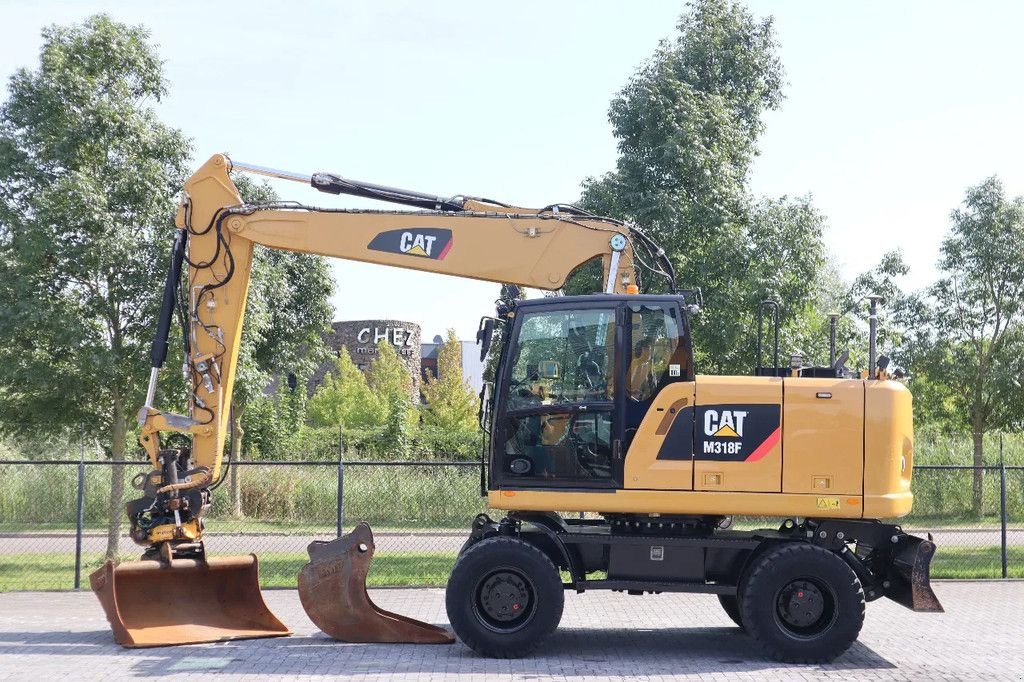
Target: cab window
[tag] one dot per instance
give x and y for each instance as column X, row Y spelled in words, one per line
column 658, row 355
column 563, row 357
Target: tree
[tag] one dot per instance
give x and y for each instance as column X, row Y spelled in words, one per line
column 288, row 310
column 391, row 384
column 687, row 125
column 899, row 313
column 974, row 358
column 344, row 399
column 387, row 377
column 451, row 403
column 88, row 180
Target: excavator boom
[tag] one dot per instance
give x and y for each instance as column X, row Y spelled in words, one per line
column 166, row 601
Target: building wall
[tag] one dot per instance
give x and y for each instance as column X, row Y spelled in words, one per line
column 472, row 367
column 359, row 339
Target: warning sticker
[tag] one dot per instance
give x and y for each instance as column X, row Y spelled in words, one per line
column 828, row 503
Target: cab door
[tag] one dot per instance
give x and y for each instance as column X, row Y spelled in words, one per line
column 557, row 424
column 658, row 397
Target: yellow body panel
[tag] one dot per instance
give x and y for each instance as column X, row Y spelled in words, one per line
column 763, row 475
column 849, row 455
column 677, row 502
column 823, row 436
column 889, row 450
column 642, row 468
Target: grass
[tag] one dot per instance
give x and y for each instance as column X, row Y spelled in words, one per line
column 425, row 569
column 56, row 571
column 977, row 562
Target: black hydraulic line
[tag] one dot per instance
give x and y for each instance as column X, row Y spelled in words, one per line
column 333, row 184
column 158, row 349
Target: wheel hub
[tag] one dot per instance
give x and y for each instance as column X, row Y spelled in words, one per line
column 505, row 597
column 801, row 604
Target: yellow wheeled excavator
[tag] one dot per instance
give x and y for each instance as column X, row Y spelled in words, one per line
column 595, row 407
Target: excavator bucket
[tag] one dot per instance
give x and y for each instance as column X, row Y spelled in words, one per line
column 149, row 603
column 332, row 588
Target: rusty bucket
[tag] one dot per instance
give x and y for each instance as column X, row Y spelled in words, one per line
column 332, row 588
column 149, row 603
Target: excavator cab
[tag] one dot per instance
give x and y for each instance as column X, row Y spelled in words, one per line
column 576, row 378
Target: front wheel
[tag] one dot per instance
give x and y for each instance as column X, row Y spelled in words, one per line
column 802, row 604
column 730, row 604
column 504, row 597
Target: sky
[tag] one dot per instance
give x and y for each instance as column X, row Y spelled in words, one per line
column 892, row 110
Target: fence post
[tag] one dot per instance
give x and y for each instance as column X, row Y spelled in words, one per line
column 341, row 479
column 80, row 512
column 1002, row 502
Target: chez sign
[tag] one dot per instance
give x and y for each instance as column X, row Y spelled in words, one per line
column 402, row 339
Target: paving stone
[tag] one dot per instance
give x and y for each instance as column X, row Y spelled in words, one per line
column 603, row 636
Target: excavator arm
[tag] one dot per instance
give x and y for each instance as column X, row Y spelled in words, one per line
column 213, row 246
column 463, row 237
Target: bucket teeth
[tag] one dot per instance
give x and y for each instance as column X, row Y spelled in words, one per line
column 188, row 601
column 332, row 588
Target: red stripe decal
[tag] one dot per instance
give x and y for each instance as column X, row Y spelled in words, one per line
column 765, row 447
column 447, row 248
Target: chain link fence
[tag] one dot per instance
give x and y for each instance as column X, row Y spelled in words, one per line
column 59, row 519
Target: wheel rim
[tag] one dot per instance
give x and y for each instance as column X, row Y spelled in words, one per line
column 504, row 600
column 805, row 608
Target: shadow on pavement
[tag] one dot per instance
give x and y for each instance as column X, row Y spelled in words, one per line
column 569, row 652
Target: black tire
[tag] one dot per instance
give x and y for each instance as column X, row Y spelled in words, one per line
column 493, row 580
column 802, row 604
column 730, row 602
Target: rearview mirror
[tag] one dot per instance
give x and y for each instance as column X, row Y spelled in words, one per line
column 484, row 335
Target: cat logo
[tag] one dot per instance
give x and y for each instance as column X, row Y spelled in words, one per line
column 416, row 244
column 422, row 242
column 724, row 424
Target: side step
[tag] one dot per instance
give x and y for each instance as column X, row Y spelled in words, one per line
column 332, row 588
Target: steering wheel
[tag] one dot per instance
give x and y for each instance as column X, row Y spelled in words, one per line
column 587, row 458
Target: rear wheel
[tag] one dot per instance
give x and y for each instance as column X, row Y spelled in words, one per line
column 504, row 597
column 802, row 604
column 730, row 603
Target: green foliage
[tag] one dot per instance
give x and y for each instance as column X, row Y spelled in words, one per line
column 88, row 177
column 387, row 376
column 391, row 385
column 687, row 124
column 274, row 427
column 439, row 443
column 344, row 399
column 973, row 355
column 397, row 435
column 451, row 403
